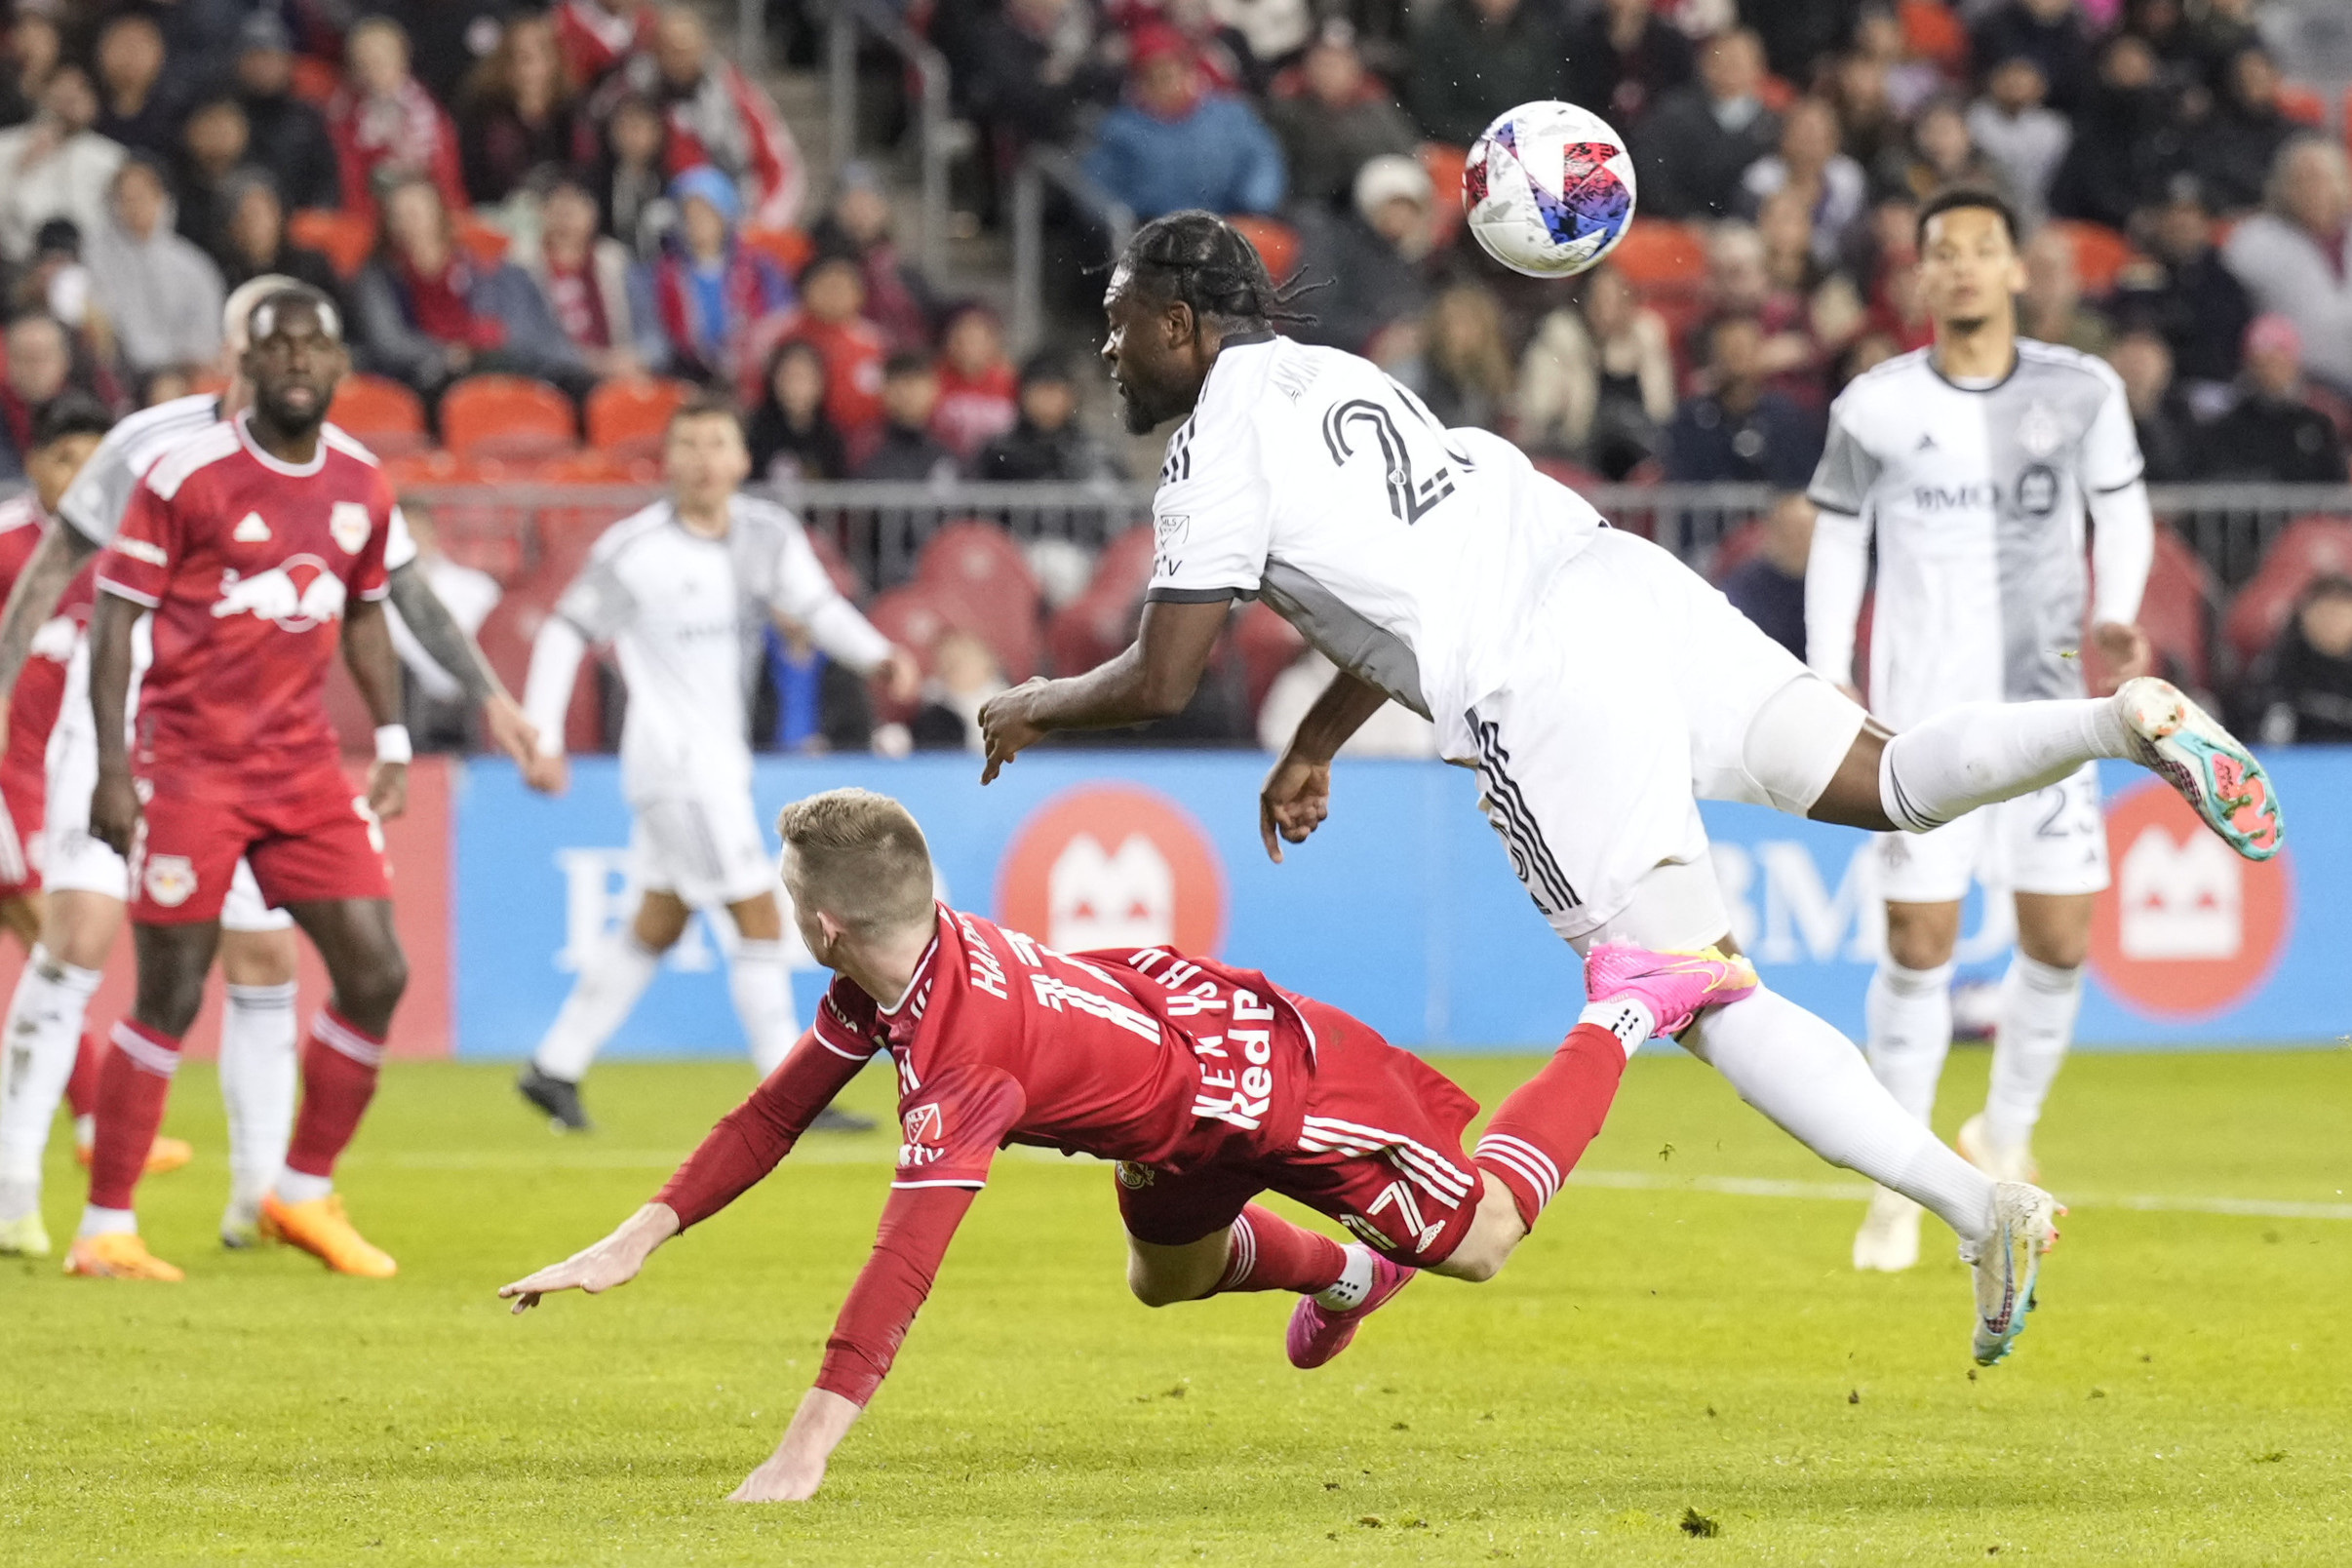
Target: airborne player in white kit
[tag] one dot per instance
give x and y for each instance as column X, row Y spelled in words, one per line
column 684, row 590
column 1976, row 462
column 1598, row 686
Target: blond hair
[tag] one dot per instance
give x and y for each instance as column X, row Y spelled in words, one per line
column 861, row 859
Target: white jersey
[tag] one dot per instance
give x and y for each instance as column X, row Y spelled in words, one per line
column 93, row 504
column 1413, row 556
column 1978, row 496
column 687, row 613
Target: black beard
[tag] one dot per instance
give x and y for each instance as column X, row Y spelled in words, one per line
column 1139, row 420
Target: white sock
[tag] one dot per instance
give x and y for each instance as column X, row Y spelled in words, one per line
column 1811, row 1080
column 43, row 1036
column 1911, row 1021
column 258, row 1072
column 1982, row 752
column 762, row 988
column 97, row 1221
column 1628, row 1018
column 614, row 976
column 1347, row 1292
column 2038, row 1004
column 295, row 1187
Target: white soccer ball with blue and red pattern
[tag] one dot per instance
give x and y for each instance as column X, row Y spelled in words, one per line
column 1549, row 189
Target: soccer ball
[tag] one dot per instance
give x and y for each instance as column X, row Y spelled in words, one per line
column 1549, row 189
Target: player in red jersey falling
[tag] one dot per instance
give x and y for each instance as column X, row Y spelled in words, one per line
column 1207, row 1083
column 259, row 546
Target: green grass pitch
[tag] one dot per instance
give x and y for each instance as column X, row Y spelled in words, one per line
column 1679, row 1367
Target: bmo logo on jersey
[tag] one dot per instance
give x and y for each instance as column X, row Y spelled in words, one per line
column 297, row 594
column 2188, row 929
column 1113, row 866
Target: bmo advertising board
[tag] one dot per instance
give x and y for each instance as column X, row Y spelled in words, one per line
column 1403, row 909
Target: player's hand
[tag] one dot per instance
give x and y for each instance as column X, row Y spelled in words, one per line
column 509, row 732
column 2125, row 649
column 901, row 676
column 605, row 1266
column 1293, row 802
column 1006, row 727
column 548, row 774
column 114, row 812
column 797, row 1468
column 387, row 789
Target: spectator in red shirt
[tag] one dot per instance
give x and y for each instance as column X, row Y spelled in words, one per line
column 897, row 298
column 596, row 292
column 385, row 125
column 518, row 112
column 596, row 35
column 978, row 392
column 719, row 301
column 832, row 319
column 718, row 117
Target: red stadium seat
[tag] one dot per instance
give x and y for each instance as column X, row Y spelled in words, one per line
column 1277, row 244
column 1267, row 645
column 1444, row 163
column 379, row 411
column 1663, row 255
column 2304, row 105
column 630, row 416
column 1738, row 547
column 484, row 241
column 506, row 416
column 315, row 80
column 1931, row 31
column 979, row 558
column 2311, row 547
column 506, row 637
column 344, row 239
column 2175, row 611
column 787, row 249
column 1092, row 628
column 2099, row 253
column 1124, row 568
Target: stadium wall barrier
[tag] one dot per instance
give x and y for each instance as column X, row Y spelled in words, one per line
column 1401, row 909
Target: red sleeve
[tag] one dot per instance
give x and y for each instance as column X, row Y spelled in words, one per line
column 750, row 1139
column 446, row 173
column 952, row 1126
column 368, row 577
column 139, row 564
column 916, row 1228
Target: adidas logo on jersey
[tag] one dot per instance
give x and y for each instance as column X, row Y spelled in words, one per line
column 1927, row 443
column 252, row 530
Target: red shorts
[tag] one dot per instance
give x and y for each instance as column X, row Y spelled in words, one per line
column 1379, row 1150
column 25, row 798
column 318, row 842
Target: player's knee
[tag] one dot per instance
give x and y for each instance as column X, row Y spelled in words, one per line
column 375, row 987
column 1474, row 1262
column 1157, row 1289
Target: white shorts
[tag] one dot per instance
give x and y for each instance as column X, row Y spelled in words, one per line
column 708, row 850
column 2054, row 840
column 1642, row 693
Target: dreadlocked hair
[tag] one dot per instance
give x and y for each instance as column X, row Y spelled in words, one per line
column 1202, row 260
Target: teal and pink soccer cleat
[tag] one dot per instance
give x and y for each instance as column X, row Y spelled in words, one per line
column 1674, row 985
column 2187, row 748
column 1317, row 1333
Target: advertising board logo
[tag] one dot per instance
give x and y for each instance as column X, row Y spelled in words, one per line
column 1113, row 865
column 2188, row 929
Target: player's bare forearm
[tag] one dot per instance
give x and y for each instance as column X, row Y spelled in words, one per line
column 1296, row 795
column 1153, row 679
column 375, row 670
column 797, row 1468
column 34, row 598
column 1346, row 705
column 114, row 810
column 437, row 631
column 604, row 1266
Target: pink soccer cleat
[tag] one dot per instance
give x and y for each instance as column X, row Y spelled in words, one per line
column 1674, row 985
column 1316, row 1333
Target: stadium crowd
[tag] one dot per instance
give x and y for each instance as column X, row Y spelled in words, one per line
column 588, row 195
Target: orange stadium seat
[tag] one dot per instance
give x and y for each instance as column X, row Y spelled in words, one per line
column 2311, row 547
column 506, row 416
column 1660, row 255
column 2099, row 253
column 1444, row 163
column 2304, row 105
column 1933, row 32
column 344, row 239
column 1277, row 244
column 789, row 249
column 383, row 412
column 484, row 241
column 315, row 80
column 629, row 416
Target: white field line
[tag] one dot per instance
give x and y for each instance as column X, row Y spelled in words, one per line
column 832, row 1151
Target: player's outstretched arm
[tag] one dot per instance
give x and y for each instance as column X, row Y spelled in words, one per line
column 375, row 670
column 1296, row 797
column 607, row 1265
column 32, row 602
column 437, row 631
column 1153, row 679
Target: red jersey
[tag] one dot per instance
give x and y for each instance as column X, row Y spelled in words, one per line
column 248, row 563
column 32, row 708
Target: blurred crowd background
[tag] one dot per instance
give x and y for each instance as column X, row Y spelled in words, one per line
column 545, row 226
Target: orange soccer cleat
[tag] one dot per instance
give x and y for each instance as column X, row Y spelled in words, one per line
column 118, row 1255
column 164, row 1154
column 320, row 1229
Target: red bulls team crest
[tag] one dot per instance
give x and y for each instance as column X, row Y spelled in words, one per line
column 297, row 594
column 2188, row 929
column 1113, row 865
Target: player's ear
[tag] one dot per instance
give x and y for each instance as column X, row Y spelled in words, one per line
column 1178, row 324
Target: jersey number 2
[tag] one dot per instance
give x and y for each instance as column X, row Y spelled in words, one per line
column 1409, row 500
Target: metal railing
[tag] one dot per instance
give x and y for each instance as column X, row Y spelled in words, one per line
column 1051, row 166
column 936, row 135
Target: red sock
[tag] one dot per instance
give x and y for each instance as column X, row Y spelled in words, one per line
column 1541, row 1131
column 1270, row 1253
column 82, row 1088
column 131, row 1087
column 338, row 1079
